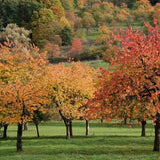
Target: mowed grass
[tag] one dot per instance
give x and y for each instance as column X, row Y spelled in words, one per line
column 106, row 142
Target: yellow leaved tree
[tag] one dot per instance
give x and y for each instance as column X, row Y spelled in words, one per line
column 71, row 87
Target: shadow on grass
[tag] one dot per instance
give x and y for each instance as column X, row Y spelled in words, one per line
column 74, row 137
column 79, row 145
column 97, row 125
column 117, row 145
column 82, row 141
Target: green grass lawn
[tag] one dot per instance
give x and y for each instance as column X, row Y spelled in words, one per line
column 104, row 143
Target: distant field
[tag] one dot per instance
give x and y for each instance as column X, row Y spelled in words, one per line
column 97, row 63
column 106, row 142
column 94, row 63
column 94, row 31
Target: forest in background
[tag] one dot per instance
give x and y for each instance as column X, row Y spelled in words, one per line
column 75, row 29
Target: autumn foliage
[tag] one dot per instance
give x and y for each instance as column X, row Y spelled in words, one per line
column 75, row 48
column 132, row 90
column 22, row 80
column 71, row 87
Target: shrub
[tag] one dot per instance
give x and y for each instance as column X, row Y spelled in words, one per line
column 92, row 53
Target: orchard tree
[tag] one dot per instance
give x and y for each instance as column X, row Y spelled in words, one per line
column 71, row 87
column 38, row 117
column 135, row 90
column 22, row 88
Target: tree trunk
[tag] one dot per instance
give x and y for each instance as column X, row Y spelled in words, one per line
column 5, row 131
column 1, row 125
column 88, row 33
column 26, row 126
column 91, row 4
column 68, row 135
column 37, row 129
column 87, row 127
column 67, row 124
column 125, row 121
column 143, row 133
column 70, row 127
column 19, row 137
column 101, row 121
column 156, row 138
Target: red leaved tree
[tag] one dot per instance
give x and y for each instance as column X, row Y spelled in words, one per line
column 76, row 47
column 133, row 89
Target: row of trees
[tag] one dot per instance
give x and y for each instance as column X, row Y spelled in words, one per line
column 29, row 84
column 31, row 87
column 132, row 89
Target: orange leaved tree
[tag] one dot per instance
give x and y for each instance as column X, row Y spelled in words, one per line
column 23, row 87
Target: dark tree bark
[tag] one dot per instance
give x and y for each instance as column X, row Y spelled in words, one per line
column 125, row 121
column 143, row 133
column 1, row 125
column 87, row 127
column 156, row 127
column 67, row 124
column 5, row 131
column 26, row 126
column 68, row 134
column 70, row 127
column 37, row 129
column 19, row 137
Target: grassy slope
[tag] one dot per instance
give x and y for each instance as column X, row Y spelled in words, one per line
column 94, row 63
column 104, row 143
column 97, row 63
